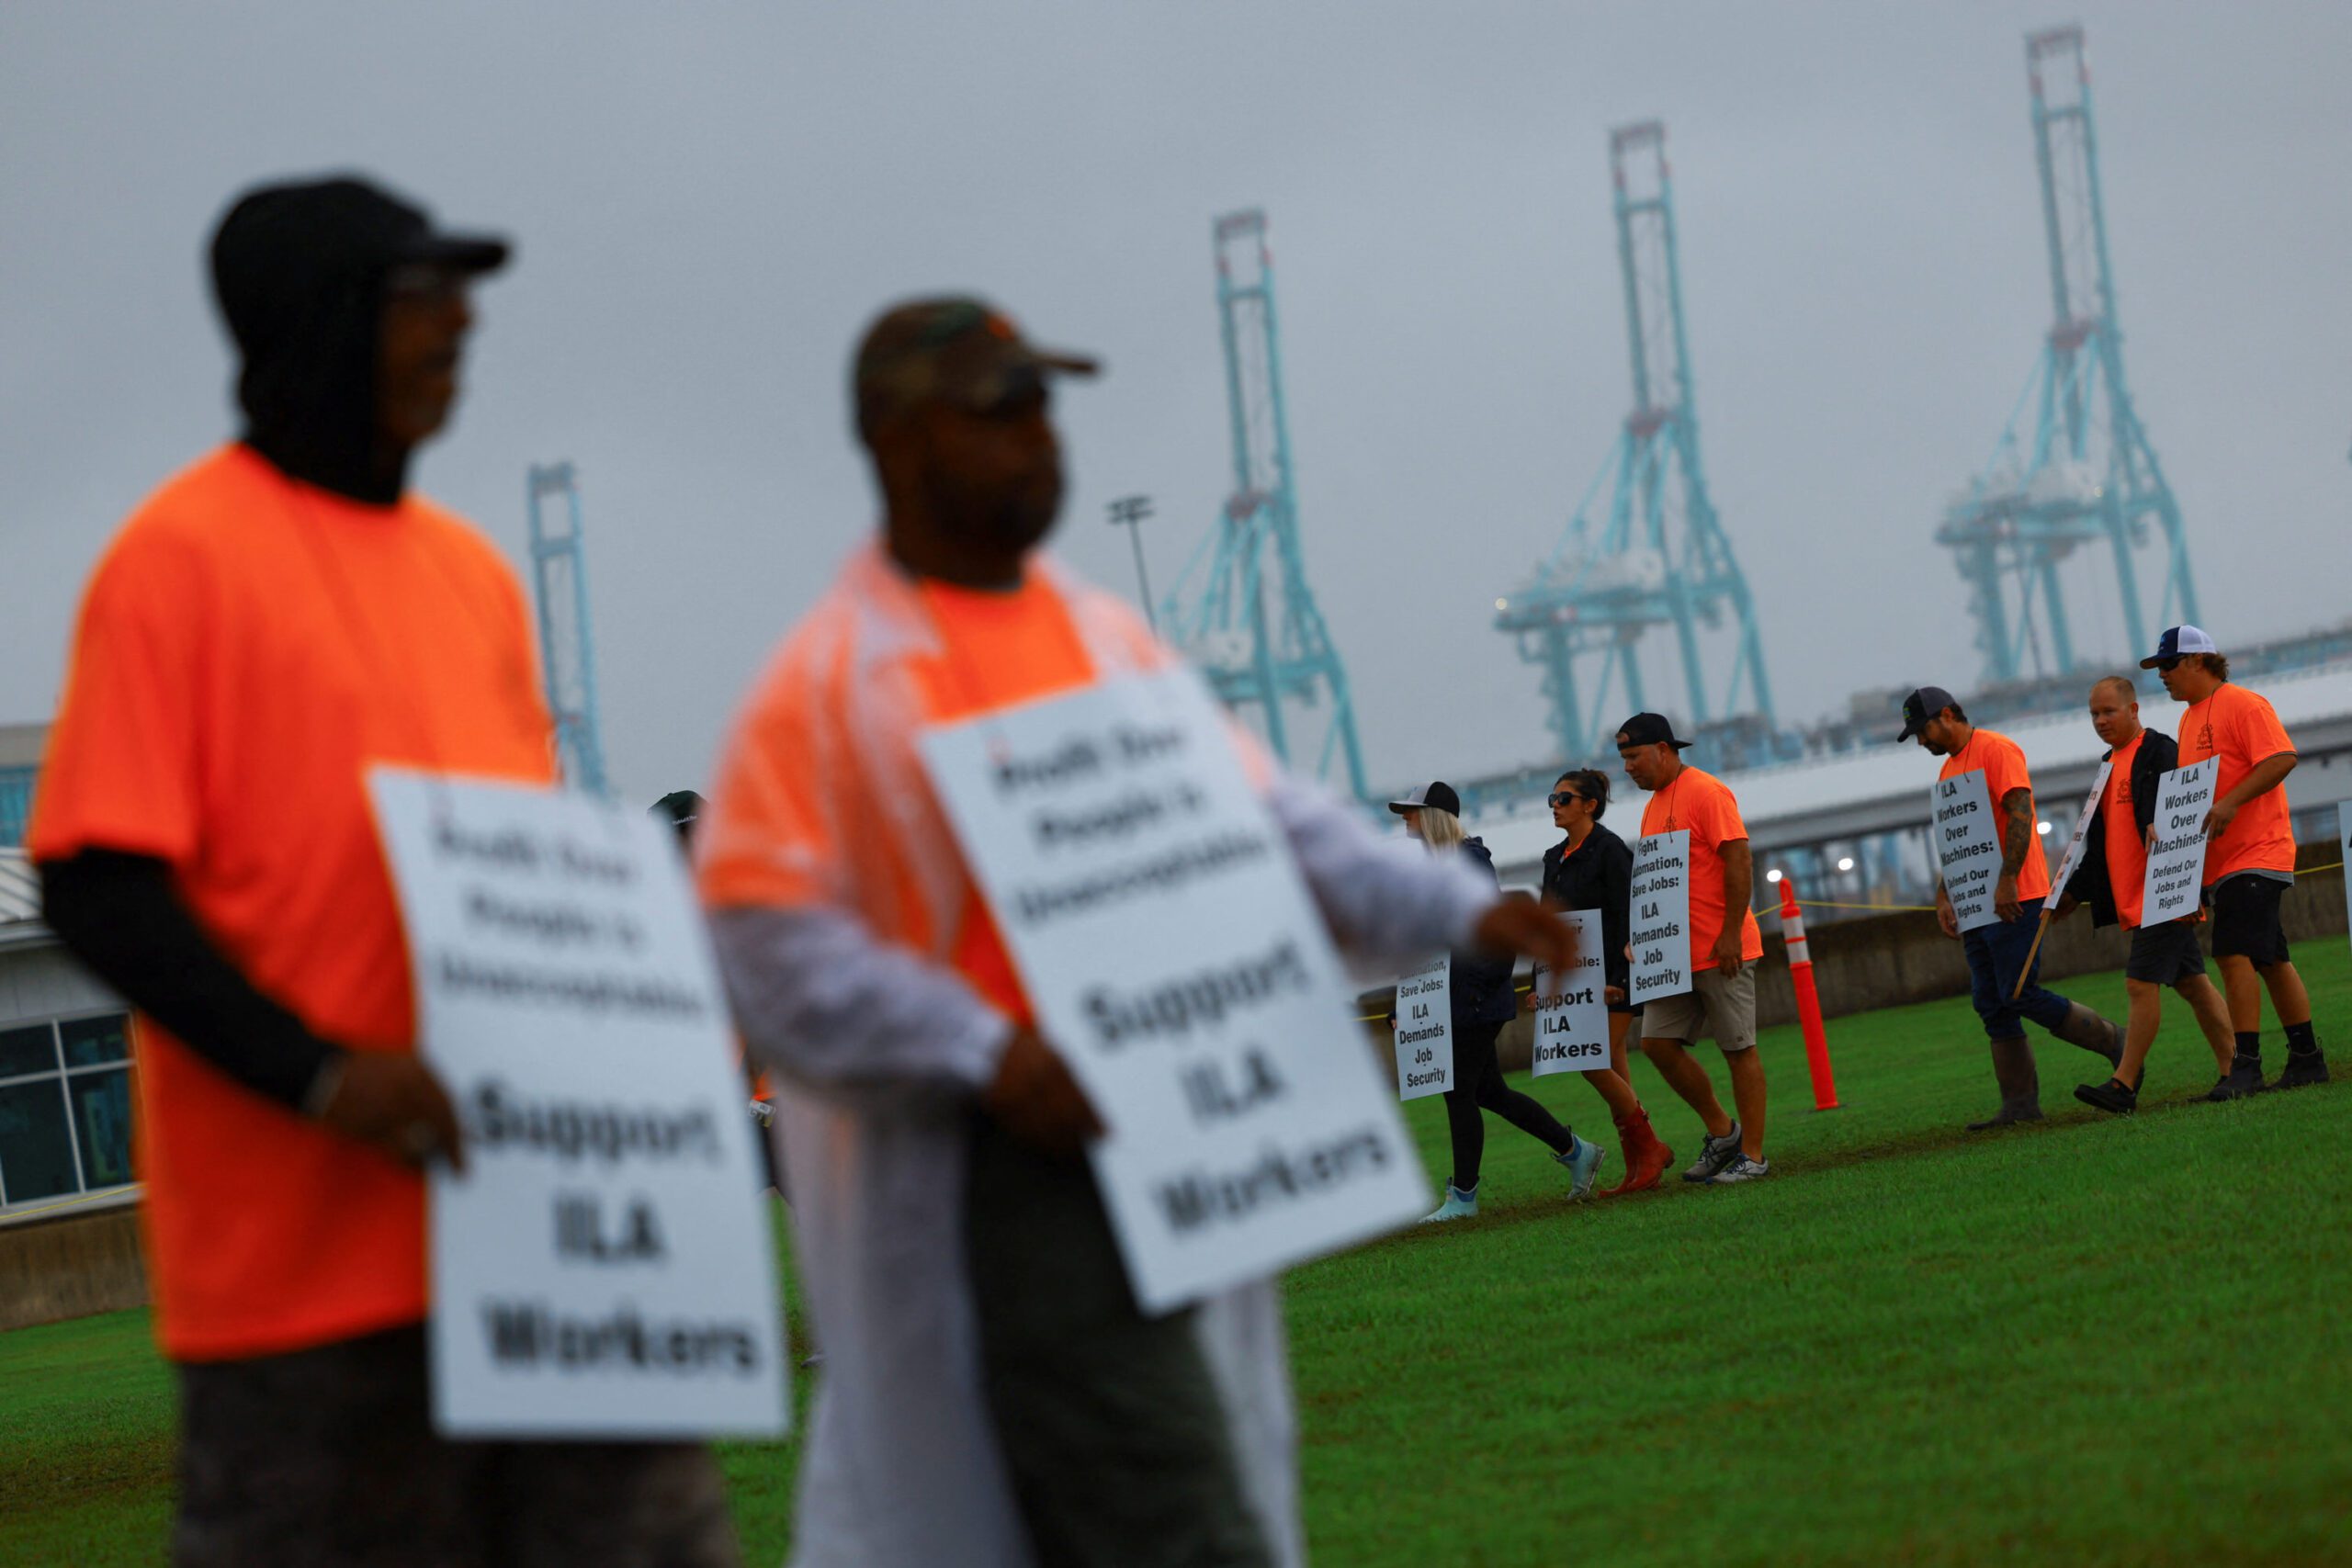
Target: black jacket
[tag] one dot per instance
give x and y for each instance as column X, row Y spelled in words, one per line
column 1479, row 983
column 2091, row 882
column 1598, row 876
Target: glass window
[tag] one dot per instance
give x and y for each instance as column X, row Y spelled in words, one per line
column 32, row 1049
column 92, row 1041
column 102, row 1121
column 36, row 1153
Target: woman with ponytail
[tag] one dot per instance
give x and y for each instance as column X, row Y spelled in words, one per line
column 1479, row 985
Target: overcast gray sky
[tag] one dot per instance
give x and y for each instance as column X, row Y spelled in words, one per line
column 710, row 201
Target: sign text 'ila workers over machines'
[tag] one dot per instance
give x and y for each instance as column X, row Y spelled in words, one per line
column 604, row 1268
column 1967, row 836
column 2174, row 882
column 1175, row 956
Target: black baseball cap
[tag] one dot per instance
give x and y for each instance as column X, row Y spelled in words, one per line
column 1438, row 796
column 1649, row 729
column 1921, row 706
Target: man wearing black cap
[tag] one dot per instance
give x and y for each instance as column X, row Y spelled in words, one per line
column 275, row 619
column 2251, row 862
column 995, row 1397
column 1997, row 953
column 1721, row 1002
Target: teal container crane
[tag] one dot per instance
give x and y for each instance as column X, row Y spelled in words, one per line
column 1241, row 609
column 567, row 650
column 2073, row 467
column 1658, row 556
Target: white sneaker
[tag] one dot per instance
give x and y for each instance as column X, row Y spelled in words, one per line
column 1741, row 1169
column 1713, row 1155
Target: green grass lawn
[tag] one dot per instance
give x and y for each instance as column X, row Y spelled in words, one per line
column 2092, row 1341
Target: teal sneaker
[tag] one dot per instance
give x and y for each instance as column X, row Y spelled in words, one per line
column 1583, row 1158
column 1458, row 1205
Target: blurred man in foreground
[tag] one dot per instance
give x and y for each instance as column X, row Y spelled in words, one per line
column 993, row 1396
column 275, row 619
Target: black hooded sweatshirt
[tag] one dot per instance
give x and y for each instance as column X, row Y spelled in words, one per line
column 301, row 290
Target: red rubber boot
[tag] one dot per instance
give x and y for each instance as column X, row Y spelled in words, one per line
column 1645, row 1157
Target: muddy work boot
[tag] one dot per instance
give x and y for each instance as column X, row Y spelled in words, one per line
column 2020, row 1085
column 2099, row 1036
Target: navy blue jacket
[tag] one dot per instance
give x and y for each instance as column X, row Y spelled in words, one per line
column 1479, row 983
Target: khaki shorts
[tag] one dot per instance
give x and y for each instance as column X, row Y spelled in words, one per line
column 1715, row 1008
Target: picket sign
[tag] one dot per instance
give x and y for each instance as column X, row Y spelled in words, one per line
column 1660, row 934
column 1172, row 951
column 1423, row 1029
column 605, row 1266
column 1963, row 816
column 2068, row 863
column 1572, row 1006
column 2175, row 883
column 2344, row 843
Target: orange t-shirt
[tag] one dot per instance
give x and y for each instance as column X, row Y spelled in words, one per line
column 2004, row 764
column 247, row 647
column 785, row 822
column 2127, row 850
column 2240, row 727
column 1704, row 805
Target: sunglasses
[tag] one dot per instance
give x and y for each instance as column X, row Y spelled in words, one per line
column 1016, row 394
column 1562, row 796
column 2167, row 666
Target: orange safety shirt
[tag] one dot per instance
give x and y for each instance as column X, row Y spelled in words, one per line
column 2240, row 727
column 1704, row 805
column 248, row 646
column 2127, row 850
column 814, row 792
column 2004, row 764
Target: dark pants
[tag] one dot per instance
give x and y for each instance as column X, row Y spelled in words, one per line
column 1478, row 1087
column 1996, row 958
column 1116, row 1439
column 328, row 1457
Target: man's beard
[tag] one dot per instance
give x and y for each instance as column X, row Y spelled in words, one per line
column 1014, row 518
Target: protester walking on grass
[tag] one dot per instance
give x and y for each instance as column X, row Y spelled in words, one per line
column 2251, row 860
column 1592, row 869
column 1478, row 986
column 1997, row 953
column 2114, row 867
column 273, row 621
column 1721, row 1003
column 993, row 1396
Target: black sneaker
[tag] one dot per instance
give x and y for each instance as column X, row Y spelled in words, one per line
column 2244, row 1078
column 2303, row 1071
column 2113, row 1095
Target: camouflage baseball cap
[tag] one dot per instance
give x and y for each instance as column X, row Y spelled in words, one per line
column 957, row 350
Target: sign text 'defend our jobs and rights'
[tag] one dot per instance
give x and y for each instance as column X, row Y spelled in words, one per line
column 1423, row 1029
column 1661, row 930
column 1572, row 1006
column 2174, row 882
column 1967, row 836
column 604, row 1268
column 1173, row 955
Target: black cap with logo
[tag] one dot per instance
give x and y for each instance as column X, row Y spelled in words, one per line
column 1921, row 707
column 1438, row 796
column 1649, row 729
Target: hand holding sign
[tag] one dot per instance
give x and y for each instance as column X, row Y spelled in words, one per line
column 1035, row 1096
column 391, row 1101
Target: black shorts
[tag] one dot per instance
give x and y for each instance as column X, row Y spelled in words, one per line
column 2164, row 955
column 2246, row 918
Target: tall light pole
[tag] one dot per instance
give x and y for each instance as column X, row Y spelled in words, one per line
column 1131, row 510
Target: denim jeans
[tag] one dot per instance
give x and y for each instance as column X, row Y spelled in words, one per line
column 1995, row 957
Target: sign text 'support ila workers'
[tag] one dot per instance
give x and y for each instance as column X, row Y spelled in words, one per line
column 1572, row 1006
column 604, row 1268
column 1172, row 954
